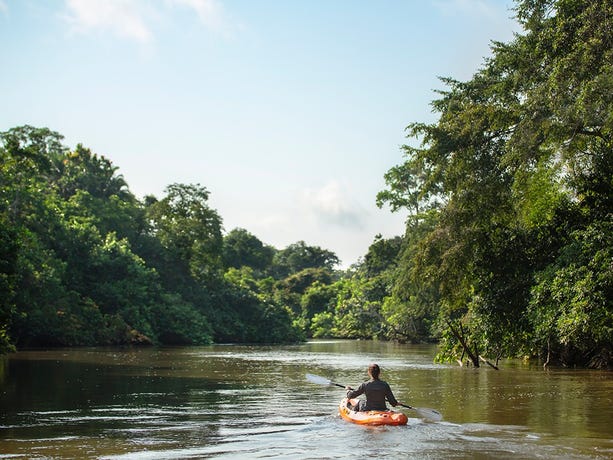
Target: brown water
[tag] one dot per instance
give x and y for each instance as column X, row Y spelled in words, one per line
column 255, row 402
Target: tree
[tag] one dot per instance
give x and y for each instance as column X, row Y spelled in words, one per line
column 299, row 256
column 251, row 313
column 9, row 250
column 84, row 170
column 26, row 267
column 241, row 248
column 516, row 158
column 91, row 187
column 382, row 255
column 189, row 229
column 290, row 291
column 317, row 298
column 570, row 305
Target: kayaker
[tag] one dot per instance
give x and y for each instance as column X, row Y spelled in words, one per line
column 376, row 391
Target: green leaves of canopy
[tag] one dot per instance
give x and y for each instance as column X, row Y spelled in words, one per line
column 300, row 256
column 241, row 248
column 520, row 158
column 187, row 227
column 84, row 263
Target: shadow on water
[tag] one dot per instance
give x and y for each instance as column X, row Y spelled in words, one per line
column 228, row 401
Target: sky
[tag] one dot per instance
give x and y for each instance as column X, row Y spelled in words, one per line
column 289, row 112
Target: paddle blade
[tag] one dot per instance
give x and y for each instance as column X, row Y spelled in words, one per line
column 430, row 414
column 318, row 380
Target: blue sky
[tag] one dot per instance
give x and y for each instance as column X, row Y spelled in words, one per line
column 289, row 112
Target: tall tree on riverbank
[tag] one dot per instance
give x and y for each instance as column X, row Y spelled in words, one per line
column 522, row 159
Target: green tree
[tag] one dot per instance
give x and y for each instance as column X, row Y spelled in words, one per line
column 86, row 171
column 570, row 305
column 85, row 263
column 189, row 229
column 299, row 256
column 91, row 187
column 317, row 298
column 251, row 314
column 520, row 161
column 382, row 255
column 28, row 270
column 241, row 248
column 289, row 291
column 9, row 250
column 322, row 325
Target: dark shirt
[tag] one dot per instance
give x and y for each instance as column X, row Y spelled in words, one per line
column 376, row 392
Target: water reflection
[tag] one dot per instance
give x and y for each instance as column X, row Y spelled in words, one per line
column 254, row 402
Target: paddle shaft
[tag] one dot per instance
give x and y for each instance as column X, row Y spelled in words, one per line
column 342, row 386
column 406, row 405
column 425, row 413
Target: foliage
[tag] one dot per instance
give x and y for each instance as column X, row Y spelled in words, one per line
column 188, row 229
column 291, row 290
column 241, row 248
column 518, row 171
column 83, row 262
column 506, row 252
column 322, row 325
column 299, row 256
column 570, row 304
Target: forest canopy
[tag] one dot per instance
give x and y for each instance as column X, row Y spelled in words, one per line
column 507, row 251
column 509, row 247
column 84, row 262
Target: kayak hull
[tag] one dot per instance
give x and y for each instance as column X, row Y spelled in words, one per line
column 373, row 417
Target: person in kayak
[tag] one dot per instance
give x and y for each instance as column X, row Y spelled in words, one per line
column 376, row 391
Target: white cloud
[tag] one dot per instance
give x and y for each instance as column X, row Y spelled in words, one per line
column 132, row 19
column 125, row 18
column 333, row 204
column 3, row 7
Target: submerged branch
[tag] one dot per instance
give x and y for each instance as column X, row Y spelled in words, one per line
column 474, row 359
column 488, row 363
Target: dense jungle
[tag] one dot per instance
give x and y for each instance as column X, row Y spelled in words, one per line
column 507, row 251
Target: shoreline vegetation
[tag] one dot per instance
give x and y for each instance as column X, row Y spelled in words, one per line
column 507, row 251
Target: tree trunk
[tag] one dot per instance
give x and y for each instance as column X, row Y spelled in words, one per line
column 474, row 357
column 548, row 354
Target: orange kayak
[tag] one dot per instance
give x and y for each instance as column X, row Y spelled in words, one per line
column 373, row 417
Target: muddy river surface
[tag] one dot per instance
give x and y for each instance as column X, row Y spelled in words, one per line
column 231, row 401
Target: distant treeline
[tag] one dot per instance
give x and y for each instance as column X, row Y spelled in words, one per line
column 508, row 248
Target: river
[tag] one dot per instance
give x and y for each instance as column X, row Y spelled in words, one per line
column 234, row 401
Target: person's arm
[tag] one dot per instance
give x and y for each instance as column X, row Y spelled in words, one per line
column 355, row 393
column 390, row 397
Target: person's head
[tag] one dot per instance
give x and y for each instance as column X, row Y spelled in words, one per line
column 374, row 371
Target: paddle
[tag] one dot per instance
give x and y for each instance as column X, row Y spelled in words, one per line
column 430, row 414
column 323, row 381
column 424, row 412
